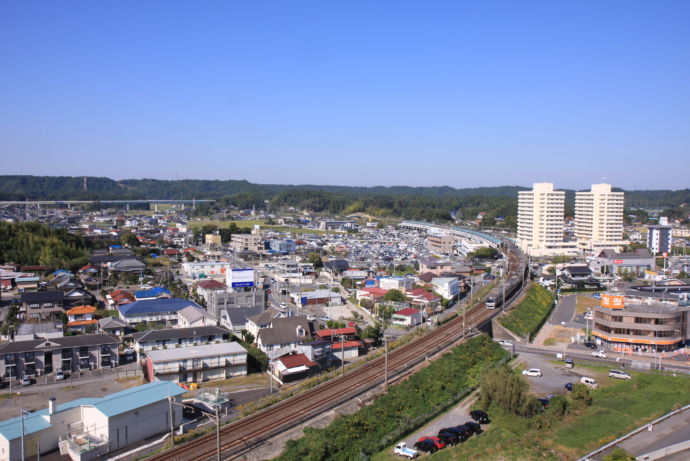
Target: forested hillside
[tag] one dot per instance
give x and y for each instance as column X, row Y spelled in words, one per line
column 33, row 243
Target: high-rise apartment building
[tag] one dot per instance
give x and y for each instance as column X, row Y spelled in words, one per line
column 540, row 221
column 599, row 219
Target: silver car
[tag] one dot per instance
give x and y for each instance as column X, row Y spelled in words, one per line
column 619, row 374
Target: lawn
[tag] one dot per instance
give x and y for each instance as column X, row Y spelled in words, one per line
column 526, row 318
column 618, row 407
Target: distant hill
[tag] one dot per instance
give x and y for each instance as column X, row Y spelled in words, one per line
column 429, row 203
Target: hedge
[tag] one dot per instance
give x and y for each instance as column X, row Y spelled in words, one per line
column 403, row 409
column 528, row 317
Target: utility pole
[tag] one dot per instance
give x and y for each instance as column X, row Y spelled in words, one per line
column 342, row 353
column 217, row 433
column 22, row 429
column 385, row 344
column 172, row 421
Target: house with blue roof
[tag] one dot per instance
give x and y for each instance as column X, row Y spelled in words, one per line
column 88, row 428
column 160, row 310
column 153, row 293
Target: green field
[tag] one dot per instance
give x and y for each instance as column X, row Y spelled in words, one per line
column 526, row 318
column 617, row 408
column 250, row 223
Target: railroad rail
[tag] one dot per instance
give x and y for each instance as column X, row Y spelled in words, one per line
column 243, row 435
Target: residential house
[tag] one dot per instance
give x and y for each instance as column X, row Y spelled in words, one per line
column 446, row 287
column 112, row 326
column 42, row 304
column 346, row 350
column 407, row 317
column 262, row 320
column 153, row 293
column 436, row 266
column 283, row 335
column 81, row 319
column 119, row 297
column 235, row 318
column 319, row 351
column 41, row 330
column 126, row 265
column 192, row 316
column 204, row 288
column 293, row 367
column 335, row 334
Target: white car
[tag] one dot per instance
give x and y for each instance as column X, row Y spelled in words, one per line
column 505, row 343
column 619, row 374
column 599, row 354
column 283, row 305
column 532, row 372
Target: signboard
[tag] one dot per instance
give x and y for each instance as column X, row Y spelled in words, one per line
column 617, row 261
column 303, row 300
column 612, row 301
column 240, row 278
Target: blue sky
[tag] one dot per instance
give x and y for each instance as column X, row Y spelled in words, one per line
column 370, row 92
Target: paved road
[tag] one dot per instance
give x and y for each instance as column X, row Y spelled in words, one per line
column 671, row 431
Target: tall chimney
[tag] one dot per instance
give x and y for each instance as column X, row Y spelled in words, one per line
column 51, row 405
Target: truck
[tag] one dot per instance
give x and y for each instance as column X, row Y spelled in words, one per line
column 401, row 449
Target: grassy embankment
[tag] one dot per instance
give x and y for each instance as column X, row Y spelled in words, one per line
column 617, row 408
column 526, row 318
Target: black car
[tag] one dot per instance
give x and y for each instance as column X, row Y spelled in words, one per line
column 449, row 438
column 479, row 416
column 191, row 412
column 426, row 446
column 474, row 427
column 569, row 387
column 459, row 431
column 544, row 402
column 591, row 345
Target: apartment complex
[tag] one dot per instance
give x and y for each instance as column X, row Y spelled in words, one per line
column 599, row 219
column 540, row 221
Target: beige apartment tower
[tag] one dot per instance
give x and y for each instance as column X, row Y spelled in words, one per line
column 599, row 219
column 540, row 221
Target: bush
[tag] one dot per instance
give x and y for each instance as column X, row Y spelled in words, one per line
column 405, row 407
column 507, row 390
column 527, row 317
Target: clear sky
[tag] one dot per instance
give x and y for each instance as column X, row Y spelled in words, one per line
column 359, row 92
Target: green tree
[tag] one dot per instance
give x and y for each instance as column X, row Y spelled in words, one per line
column 395, row 295
column 484, row 253
column 503, row 387
column 619, row 454
column 129, row 239
column 581, row 394
column 315, row 259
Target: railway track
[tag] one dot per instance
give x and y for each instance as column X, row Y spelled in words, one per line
column 247, row 433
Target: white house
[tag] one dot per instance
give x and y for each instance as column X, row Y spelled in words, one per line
column 447, row 287
column 407, row 317
column 206, row 362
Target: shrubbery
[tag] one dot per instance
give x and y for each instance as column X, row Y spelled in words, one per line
column 527, row 317
column 405, row 407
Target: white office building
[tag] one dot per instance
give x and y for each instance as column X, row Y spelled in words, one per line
column 599, row 219
column 659, row 239
column 540, row 221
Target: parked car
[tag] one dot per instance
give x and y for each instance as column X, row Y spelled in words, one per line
column 535, row 372
column 426, row 446
column 474, row 427
column 589, row 382
column 589, row 315
column 26, row 381
column 569, row 363
column 544, row 402
column 461, row 434
column 402, row 449
column 569, row 387
column 591, row 345
column 449, row 438
column 599, row 354
column 480, row 416
column 619, row 374
column 59, row 375
column 440, row 444
column 505, row 343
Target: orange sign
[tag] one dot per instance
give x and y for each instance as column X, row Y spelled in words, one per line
column 635, row 340
column 613, row 301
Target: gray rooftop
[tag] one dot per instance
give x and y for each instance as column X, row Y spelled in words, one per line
column 195, row 352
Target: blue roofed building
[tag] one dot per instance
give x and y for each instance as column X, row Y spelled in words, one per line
column 153, row 293
column 160, row 310
column 88, row 428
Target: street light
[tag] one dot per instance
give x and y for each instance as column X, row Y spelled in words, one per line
column 23, row 412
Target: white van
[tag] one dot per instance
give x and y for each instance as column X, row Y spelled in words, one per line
column 589, row 382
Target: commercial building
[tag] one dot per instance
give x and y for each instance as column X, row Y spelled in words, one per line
column 243, row 243
column 610, row 262
column 441, row 244
column 201, row 363
column 540, row 221
column 89, row 428
column 599, row 219
column 659, row 239
column 396, row 283
column 206, row 269
column 645, row 327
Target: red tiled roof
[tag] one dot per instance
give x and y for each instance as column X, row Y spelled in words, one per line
column 423, row 293
column 87, row 267
column 376, row 291
column 328, row 332
column 407, row 312
column 79, row 323
column 210, row 284
column 346, row 344
column 297, row 360
column 81, row 310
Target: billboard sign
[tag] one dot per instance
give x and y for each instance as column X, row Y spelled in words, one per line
column 612, row 301
column 617, row 261
column 240, row 278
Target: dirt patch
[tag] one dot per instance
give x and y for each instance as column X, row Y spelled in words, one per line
column 585, row 303
column 555, row 336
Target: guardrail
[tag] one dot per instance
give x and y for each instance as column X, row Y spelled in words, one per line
column 599, row 450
